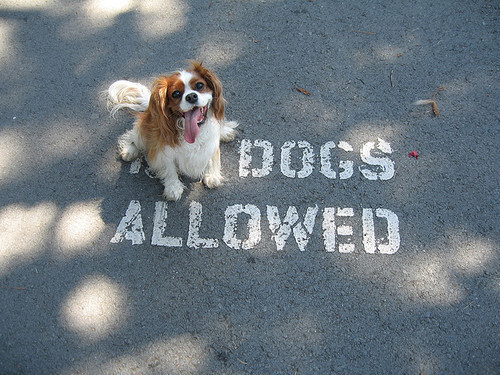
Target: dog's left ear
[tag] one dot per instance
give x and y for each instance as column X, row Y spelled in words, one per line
column 215, row 85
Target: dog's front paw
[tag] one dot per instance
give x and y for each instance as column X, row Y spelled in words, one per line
column 173, row 191
column 129, row 152
column 213, row 180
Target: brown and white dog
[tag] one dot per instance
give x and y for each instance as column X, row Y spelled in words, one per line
column 179, row 126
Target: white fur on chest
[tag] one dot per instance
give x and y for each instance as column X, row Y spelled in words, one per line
column 192, row 159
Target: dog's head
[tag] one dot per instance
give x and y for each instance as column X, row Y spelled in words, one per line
column 183, row 101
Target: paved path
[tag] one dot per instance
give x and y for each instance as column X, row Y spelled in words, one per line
column 331, row 248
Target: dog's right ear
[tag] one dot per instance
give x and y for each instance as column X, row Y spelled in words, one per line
column 159, row 97
column 158, row 120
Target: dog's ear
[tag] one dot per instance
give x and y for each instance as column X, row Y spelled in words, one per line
column 213, row 82
column 158, row 121
column 158, row 103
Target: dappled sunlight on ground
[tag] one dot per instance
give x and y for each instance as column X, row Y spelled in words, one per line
column 102, row 9
column 24, row 232
column 388, row 53
column 282, row 268
column 472, row 255
column 161, row 17
column 153, row 19
column 95, row 308
column 27, row 4
column 363, row 132
column 221, row 49
column 432, row 279
column 80, row 224
column 7, row 29
column 10, row 157
column 436, row 279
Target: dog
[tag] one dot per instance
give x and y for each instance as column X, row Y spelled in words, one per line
column 179, row 126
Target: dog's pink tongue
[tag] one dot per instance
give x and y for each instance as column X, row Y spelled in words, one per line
column 191, row 128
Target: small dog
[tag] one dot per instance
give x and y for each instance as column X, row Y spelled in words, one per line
column 179, row 126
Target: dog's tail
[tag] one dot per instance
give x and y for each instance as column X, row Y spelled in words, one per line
column 126, row 94
column 228, row 131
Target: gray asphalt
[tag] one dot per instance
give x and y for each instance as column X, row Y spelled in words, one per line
column 330, row 249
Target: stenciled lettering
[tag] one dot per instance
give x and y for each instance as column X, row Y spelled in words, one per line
column 376, row 163
column 337, row 233
column 298, row 159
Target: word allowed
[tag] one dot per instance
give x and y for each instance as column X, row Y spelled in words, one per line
column 336, row 234
column 298, row 159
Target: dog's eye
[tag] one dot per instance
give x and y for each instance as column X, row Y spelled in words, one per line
column 199, row 86
column 176, row 94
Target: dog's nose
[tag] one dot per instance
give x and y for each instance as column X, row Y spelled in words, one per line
column 192, row 98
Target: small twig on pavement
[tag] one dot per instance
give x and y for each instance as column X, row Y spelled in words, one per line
column 13, row 287
column 305, row 92
column 364, row 32
column 432, row 102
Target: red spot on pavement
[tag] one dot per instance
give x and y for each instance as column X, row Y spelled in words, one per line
column 413, row 154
